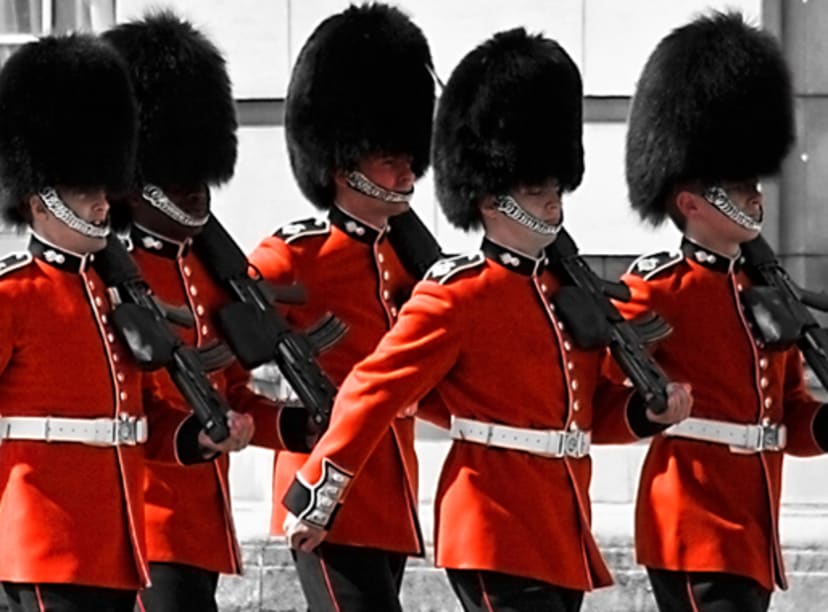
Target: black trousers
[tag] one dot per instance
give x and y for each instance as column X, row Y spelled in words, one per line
column 707, row 592
column 340, row 578
column 24, row 597
column 495, row 592
column 179, row 588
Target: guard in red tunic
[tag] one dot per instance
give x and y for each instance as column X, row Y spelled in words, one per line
column 187, row 144
column 480, row 336
column 358, row 119
column 72, row 401
column 712, row 113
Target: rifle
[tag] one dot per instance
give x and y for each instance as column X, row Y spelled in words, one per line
column 584, row 305
column 779, row 308
column 139, row 320
column 258, row 333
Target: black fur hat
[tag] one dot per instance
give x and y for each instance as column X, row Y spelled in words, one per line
column 714, row 102
column 362, row 84
column 187, row 116
column 67, row 117
column 510, row 113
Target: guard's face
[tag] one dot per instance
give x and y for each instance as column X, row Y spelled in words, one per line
column 88, row 203
column 745, row 195
column 192, row 199
column 542, row 201
column 392, row 172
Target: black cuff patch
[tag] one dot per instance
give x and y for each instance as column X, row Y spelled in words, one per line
column 297, row 498
column 637, row 418
column 821, row 427
column 318, row 503
column 187, row 448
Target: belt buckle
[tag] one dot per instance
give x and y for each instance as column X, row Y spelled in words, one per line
column 577, row 444
column 126, row 430
column 772, row 437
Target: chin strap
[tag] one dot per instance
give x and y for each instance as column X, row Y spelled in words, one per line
column 718, row 197
column 55, row 204
column 156, row 198
column 361, row 183
column 510, row 207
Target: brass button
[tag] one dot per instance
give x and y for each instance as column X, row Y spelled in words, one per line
column 576, row 405
column 204, row 330
column 123, row 395
column 567, row 345
column 120, row 376
column 763, row 382
column 187, row 271
column 763, row 363
column 193, row 290
column 574, row 384
column 200, row 310
column 768, row 402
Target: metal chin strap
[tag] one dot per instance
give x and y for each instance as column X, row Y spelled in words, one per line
column 361, row 183
column 510, row 207
column 718, row 197
column 55, row 204
column 156, row 198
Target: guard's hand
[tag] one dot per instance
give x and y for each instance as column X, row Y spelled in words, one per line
column 679, row 404
column 301, row 535
column 241, row 431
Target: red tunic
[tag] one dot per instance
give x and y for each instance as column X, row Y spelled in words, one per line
column 480, row 336
column 350, row 269
column 700, row 506
column 71, row 513
column 188, row 509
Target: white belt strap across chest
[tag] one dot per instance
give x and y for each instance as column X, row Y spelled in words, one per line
column 741, row 438
column 96, row 432
column 542, row 442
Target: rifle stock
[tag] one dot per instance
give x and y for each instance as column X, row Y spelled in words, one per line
column 140, row 322
column 625, row 344
column 258, row 333
column 764, row 268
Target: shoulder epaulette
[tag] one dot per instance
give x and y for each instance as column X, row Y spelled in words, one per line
column 648, row 266
column 14, row 261
column 313, row 226
column 444, row 269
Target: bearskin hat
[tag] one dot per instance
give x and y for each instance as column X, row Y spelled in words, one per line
column 187, row 133
column 511, row 113
column 67, row 117
column 714, row 102
column 362, row 84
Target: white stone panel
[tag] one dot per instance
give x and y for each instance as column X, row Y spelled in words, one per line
column 598, row 214
column 619, row 36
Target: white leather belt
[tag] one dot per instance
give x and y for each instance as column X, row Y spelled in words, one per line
column 97, row 432
column 739, row 437
column 543, row 442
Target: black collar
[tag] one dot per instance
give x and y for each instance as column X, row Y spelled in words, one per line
column 57, row 257
column 511, row 259
column 355, row 228
column 709, row 258
column 149, row 241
